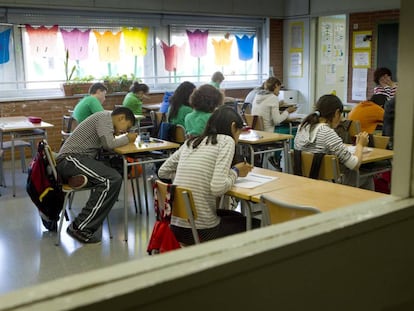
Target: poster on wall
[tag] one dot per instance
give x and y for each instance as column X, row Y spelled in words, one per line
column 361, row 58
column 359, row 84
column 295, row 64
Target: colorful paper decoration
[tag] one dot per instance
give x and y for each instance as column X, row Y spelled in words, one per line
column 173, row 55
column 198, row 42
column 76, row 42
column 135, row 41
column 42, row 40
column 108, row 45
column 245, row 47
column 222, row 51
column 4, row 46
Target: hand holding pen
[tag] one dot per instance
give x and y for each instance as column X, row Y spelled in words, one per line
column 244, row 168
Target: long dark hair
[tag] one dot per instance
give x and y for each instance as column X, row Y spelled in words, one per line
column 219, row 122
column 180, row 97
column 324, row 108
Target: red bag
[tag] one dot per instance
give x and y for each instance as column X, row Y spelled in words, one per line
column 162, row 238
column 382, row 182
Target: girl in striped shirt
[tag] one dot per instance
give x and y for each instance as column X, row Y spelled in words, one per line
column 316, row 134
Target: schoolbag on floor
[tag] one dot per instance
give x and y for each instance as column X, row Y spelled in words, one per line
column 43, row 188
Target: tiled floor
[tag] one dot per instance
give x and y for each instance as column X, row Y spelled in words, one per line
column 28, row 254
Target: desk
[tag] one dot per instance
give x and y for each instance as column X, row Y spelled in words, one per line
column 134, row 149
column 375, row 155
column 14, row 125
column 254, row 138
column 152, row 106
column 303, row 191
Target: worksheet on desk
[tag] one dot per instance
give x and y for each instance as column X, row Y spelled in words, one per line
column 253, row 180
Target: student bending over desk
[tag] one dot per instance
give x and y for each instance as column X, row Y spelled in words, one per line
column 77, row 165
column 316, row 135
column 203, row 164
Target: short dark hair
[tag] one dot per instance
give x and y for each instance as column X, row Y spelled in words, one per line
column 206, row 98
column 219, row 122
column 379, row 72
column 129, row 115
column 379, row 99
column 97, row 86
column 139, row 87
column 217, row 77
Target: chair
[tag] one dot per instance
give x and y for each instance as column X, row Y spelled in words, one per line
column 180, row 135
column 20, row 145
column 380, row 141
column 68, row 124
column 183, row 205
column 254, row 121
column 2, row 181
column 276, row 211
column 69, row 194
column 329, row 168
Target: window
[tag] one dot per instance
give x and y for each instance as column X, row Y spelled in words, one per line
column 28, row 69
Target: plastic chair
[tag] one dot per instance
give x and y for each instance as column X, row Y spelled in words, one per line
column 180, row 135
column 329, row 167
column 183, row 205
column 276, row 211
column 69, row 193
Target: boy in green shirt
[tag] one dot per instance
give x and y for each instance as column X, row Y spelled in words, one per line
column 91, row 103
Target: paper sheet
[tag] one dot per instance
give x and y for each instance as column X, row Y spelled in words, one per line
column 253, row 180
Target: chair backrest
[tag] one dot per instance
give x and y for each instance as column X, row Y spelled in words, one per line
column 381, row 141
column 182, row 206
column 254, row 121
column 276, row 211
column 68, row 124
column 329, row 166
column 156, row 118
column 180, row 135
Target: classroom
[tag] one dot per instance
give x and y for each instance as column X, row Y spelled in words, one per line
column 354, row 256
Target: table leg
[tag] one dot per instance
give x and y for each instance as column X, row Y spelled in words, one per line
column 286, row 147
column 125, row 198
column 144, row 176
column 245, row 205
column 13, row 164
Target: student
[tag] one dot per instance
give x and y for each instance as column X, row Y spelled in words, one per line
column 316, row 135
column 204, row 165
column 384, row 83
column 266, row 105
column 77, row 165
column 216, row 79
column 204, row 101
column 369, row 113
column 91, row 103
column 180, row 103
column 133, row 100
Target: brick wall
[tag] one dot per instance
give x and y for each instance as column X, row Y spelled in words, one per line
column 276, row 47
column 52, row 111
column 368, row 21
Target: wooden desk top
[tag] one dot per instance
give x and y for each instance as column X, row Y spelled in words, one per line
column 16, row 124
column 377, row 154
column 145, row 147
column 260, row 137
column 322, row 194
column 283, row 181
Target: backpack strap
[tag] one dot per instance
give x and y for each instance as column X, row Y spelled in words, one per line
column 254, row 122
column 316, row 165
column 297, row 162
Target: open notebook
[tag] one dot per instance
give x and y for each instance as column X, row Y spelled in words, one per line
column 253, row 180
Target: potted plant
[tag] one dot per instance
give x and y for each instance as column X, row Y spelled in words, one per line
column 119, row 83
column 75, row 85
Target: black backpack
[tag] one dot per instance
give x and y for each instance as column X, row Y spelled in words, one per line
column 43, row 187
